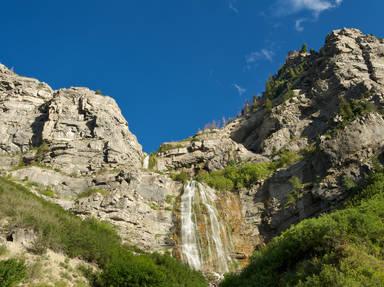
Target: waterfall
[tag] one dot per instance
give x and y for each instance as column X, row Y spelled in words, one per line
column 189, row 246
column 204, row 241
column 146, row 162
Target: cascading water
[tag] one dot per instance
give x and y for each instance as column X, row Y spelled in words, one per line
column 146, row 162
column 204, row 240
column 189, row 245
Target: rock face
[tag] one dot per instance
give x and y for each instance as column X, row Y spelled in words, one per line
column 332, row 116
column 86, row 131
column 83, row 131
column 139, row 204
column 323, row 109
column 23, row 111
column 210, row 149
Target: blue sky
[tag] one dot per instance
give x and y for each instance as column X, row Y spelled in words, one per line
column 175, row 65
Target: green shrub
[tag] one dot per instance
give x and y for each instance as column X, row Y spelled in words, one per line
column 216, row 180
column 304, row 48
column 348, row 183
column 296, row 193
column 237, row 176
column 343, row 248
column 268, row 105
column 12, row 272
column 287, row 158
column 168, row 146
column 350, row 110
column 182, row 177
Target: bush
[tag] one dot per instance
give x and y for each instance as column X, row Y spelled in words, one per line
column 237, row 176
column 12, row 272
column 343, row 248
column 287, row 158
column 182, row 177
column 168, row 146
column 296, row 193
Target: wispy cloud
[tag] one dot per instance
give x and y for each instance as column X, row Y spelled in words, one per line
column 240, row 89
column 263, row 54
column 299, row 24
column 314, row 7
column 288, row 7
column 231, row 5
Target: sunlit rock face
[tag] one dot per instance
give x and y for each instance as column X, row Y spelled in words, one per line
column 86, row 131
column 23, row 109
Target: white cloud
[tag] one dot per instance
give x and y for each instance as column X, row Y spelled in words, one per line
column 288, row 7
column 231, row 5
column 239, row 89
column 263, row 54
column 299, row 24
column 315, row 7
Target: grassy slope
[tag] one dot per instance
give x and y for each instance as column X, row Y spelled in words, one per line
column 343, row 248
column 92, row 241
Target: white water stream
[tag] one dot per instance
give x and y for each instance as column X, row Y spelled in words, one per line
column 206, row 251
column 189, row 246
column 146, row 162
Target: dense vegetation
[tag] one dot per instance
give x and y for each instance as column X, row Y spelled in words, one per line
column 236, row 176
column 90, row 240
column 343, row 248
column 12, row 271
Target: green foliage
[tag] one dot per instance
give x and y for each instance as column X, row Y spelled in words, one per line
column 289, row 94
column 350, row 110
column 283, row 82
column 89, row 239
column 12, row 272
column 268, row 105
column 92, row 190
column 287, row 158
column 182, row 177
column 42, row 189
column 216, row 180
column 348, row 183
column 237, row 176
column 41, row 151
column 295, row 194
column 342, row 248
column 304, row 48
column 169, row 146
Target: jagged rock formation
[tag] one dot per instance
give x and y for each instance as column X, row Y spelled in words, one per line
column 325, row 107
column 210, row 149
column 86, row 131
column 334, row 111
column 23, row 111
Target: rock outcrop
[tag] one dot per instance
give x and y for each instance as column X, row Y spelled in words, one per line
column 23, row 106
column 86, row 131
